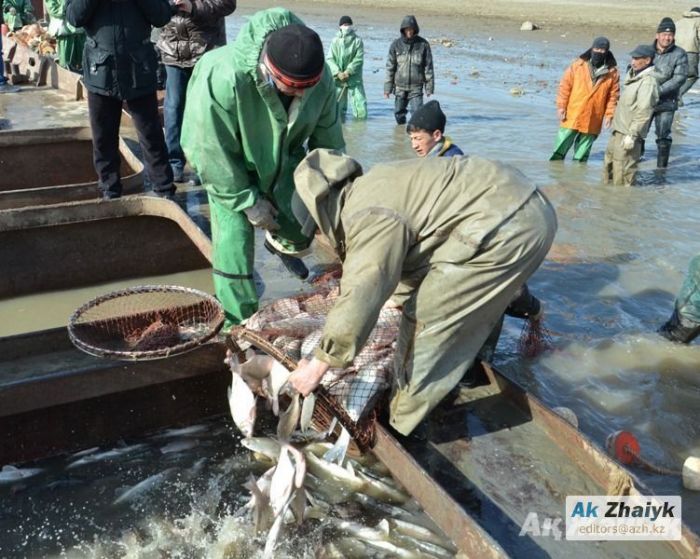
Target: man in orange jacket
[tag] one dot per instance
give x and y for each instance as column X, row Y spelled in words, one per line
column 588, row 94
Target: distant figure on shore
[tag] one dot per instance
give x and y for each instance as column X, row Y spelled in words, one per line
column 17, row 13
column 632, row 119
column 671, row 64
column 688, row 38
column 345, row 58
column 427, row 132
column 409, row 69
column 684, row 324
column 586, row 101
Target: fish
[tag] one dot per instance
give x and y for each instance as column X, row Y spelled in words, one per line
column 420, row 533
column 382, row 491
column 337, row 452
column 183, row 431
column 260, row 503
column 307, row 412
column 289, row 418
column 178, row 446
column 428, row 549
column 107, row 455
column 282, row 482
column 10, row 474
column 332, row 473
column 266, row 446
column 365, row 533
column 274, row 382
column 142, row 487
column 241, row 399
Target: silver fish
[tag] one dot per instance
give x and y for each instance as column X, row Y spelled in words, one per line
column 241, row 399
column 430, row 550
column 289, row 418
column 340, row 448
column 142, row 487
column 10, row 474
column 282, row 482
column 418, row 532
column 107, row 455
column 332, row 473
column 382, row 491
column 307, row 412
column 263, row 445
column 178, row 446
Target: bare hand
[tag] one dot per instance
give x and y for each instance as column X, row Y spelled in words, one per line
column 562, row 114
column 13, row 11
column 607, row 121
column 386, row 96
column 184, row 6
column 307, row 376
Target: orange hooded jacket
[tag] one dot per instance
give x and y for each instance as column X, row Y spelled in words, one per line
column 586, row 103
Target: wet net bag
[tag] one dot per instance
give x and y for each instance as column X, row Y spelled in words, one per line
column 294, row 326
column 146, row 322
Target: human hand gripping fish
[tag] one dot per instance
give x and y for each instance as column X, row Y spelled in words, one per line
column 308, row 375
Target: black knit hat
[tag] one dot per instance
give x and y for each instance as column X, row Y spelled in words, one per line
column 695, row 9
column 345, row 20
column 601, row 43
column 295, row 54
column 428, row 117
column 665, row 25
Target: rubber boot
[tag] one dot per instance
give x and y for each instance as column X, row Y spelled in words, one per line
column 676, row 331
column 664, row 150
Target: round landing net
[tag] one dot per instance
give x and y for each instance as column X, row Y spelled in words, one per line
column 146, row 322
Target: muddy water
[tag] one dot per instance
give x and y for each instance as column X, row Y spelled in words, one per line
column 619, row 257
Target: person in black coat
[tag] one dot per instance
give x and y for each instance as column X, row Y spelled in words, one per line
column 409, row 69
column 119, row 65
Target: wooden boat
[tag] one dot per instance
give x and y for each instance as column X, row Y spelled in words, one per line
column 53, row 166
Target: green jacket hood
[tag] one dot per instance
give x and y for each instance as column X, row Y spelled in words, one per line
column 322, row 180
column 251, row 38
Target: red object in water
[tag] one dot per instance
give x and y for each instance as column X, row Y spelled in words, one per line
column 623, row 446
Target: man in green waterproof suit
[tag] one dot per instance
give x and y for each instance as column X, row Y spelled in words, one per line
column 345, row 58
column 253, row 107
column 70, row 41
column 17, row 13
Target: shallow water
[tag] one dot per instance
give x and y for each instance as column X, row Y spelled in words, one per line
column 619, row 257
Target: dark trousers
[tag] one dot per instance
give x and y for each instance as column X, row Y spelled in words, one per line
column 404, row 99
column 105, row 117
column 173, row 111
column 663, row 121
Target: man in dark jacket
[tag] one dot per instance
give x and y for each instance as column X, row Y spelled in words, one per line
column 671, row 63
column 119, row 65
column 197, row 28
column 409, row 68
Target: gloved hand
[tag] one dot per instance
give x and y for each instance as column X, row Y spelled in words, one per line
column 262, row 215
column 628, row 142
column 13, row 11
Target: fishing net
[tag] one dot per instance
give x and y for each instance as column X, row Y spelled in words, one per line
column 146, row 322
column 293, row 327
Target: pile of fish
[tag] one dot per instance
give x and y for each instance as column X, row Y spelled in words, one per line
column 295, row 326
column 310, row 478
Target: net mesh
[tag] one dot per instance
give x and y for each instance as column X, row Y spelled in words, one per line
column 146, row 322
column 294, row 326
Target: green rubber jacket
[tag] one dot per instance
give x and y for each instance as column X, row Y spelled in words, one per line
column 236, row 132
column 23, row 13
column 347, row 54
